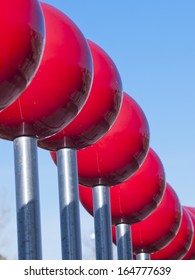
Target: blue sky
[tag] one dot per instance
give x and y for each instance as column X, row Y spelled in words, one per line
column 153, row 46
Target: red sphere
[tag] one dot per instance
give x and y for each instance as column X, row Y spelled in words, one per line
column 120, row 152
column 158, row 229
column 21, row 45
column 137, row 197
column 191, row 252
column 60, row 86
column 180, row 245
column 100, row 110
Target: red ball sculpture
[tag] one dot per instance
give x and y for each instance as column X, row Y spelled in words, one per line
column 60, row 86
column 99, row 111
column 21, row 46
column 120, row 152
column 191, row 252
column 180, row 245
column 158, row 229
column 137, row 197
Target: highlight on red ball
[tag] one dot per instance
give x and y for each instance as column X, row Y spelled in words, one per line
column 137, row 197
column 120, row 152
column 100, row 110
column 190, row 209
column 21, row 46
column 61, row 84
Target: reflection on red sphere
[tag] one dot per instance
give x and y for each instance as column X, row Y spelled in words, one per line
column 137, row 197
column 180, row 245
column 60, row 86
column 100, row 110
column 158, row 229
column 119, row 153
column 191, row 252
column 21, row 45
column 190, row 209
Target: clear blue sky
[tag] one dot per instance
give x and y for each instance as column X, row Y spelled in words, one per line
column 153, row 46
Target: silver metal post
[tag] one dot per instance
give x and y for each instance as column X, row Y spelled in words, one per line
column 124, row 242
column 143, row 256
column 27, row 198
column 69, row 204
column 102, row 222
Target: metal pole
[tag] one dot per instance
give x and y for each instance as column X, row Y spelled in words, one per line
column 102, row 222
column 124, row 243
column 143, row 256
column 69, row 204
column 27, row 198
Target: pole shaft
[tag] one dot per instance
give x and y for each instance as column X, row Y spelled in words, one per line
column 143, row 256
column 27, row 198
column 69, row 204
column 102, row 222
column 124, row 242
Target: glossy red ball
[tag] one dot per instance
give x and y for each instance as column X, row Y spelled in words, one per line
column 100, row 110
column 180, row 245
column 60, row 86
column 21, row 46
column 191, row 252
column 120, row 152
column 158, row 229
column 137, row 197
